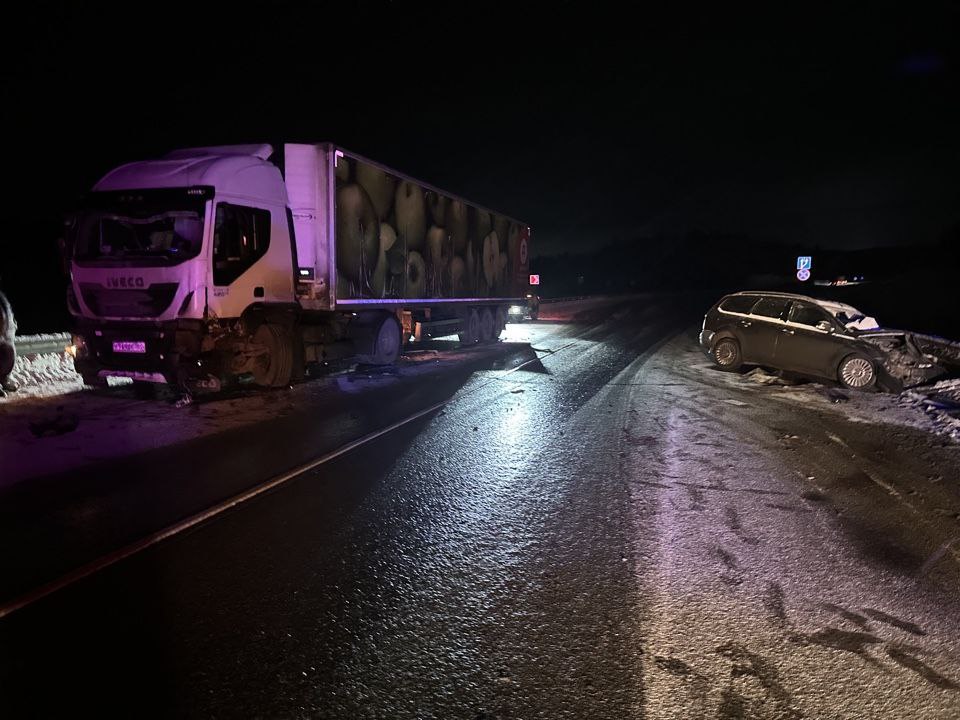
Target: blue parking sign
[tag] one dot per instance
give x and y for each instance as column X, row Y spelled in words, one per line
column 804, row 262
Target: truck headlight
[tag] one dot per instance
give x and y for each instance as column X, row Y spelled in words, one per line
column 77, row 347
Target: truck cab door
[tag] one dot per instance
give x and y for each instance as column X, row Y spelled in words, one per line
column 250, row 258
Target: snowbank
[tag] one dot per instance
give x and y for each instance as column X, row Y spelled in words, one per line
column 940, row 402
column 43, row 375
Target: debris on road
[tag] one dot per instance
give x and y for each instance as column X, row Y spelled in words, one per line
column 762, row 376
column 941, row 404
column 835, row 396
column 60, row 423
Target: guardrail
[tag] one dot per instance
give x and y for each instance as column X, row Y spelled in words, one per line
column 39, row 344
column 569, row 298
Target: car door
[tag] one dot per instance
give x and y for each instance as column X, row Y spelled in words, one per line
column 760, row 330
column 804, row 347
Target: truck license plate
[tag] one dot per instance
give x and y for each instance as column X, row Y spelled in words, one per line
column 127, row 346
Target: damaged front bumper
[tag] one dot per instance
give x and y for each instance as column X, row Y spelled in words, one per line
column 165, row 352
column 910, row 359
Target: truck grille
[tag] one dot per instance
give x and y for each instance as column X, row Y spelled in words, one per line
column 148, row 302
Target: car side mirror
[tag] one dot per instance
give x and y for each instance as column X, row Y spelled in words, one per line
column 825, row 325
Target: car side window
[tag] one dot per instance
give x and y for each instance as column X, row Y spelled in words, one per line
column 738, row 303
column 241, row 236
column 770, row 307
column 807, row 314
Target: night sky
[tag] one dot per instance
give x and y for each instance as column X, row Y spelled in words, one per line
column 837, row 128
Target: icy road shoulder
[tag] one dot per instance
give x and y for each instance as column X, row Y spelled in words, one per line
column 931, row 408
column 800, row 553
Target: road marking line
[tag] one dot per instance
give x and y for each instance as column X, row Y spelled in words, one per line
column 116, row 556
column 112, row 558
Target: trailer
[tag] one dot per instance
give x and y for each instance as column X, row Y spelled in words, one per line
column 226, row 264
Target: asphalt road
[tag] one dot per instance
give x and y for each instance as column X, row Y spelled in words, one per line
column 615, row 530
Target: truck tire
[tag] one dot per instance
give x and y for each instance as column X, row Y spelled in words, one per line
column 470, row 328
column 487, row 326
column 501, row 322
column 384, row 345
column 275, row 367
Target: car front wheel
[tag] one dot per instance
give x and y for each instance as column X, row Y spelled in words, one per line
column 857, row 372
column 726, row 354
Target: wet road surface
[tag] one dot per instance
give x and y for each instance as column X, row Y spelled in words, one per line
column 614, row 531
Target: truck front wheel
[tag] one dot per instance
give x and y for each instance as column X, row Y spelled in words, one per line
column 274, row 366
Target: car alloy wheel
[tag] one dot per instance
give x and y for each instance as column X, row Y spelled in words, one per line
column 726, row 353
column 857, row 372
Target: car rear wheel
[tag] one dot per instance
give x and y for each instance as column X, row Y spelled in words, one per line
column 726, row 354
column 857, row 372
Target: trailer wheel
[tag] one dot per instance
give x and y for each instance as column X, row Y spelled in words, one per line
column 470, row 328
column 501, row 322
column 487, row 326
column 385, row 345
column 274, row 367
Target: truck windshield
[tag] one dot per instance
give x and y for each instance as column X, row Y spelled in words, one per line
column 142, row 228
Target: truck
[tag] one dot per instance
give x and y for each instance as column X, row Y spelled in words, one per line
column 254, row 264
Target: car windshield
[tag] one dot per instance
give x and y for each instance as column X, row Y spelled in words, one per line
column 139, row 230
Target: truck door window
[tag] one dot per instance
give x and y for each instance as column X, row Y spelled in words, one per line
column 241, row 236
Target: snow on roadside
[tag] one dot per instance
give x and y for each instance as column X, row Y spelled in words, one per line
column 43, row 375
column 941, row 404
column 934, row 409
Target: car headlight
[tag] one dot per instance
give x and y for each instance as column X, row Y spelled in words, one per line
column 515, row 310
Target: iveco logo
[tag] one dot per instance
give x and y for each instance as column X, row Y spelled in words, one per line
column 125, row 281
